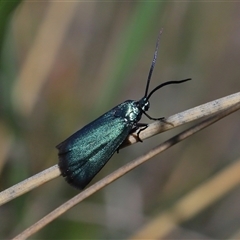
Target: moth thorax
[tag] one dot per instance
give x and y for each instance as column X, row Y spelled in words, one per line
column 133, row 113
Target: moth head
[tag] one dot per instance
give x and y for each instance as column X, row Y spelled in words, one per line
column 144, row 104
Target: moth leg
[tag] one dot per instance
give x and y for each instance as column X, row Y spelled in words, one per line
column 162, row 119
column 141, row 127
column 137, row 128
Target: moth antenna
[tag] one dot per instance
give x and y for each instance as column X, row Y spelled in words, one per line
column 153, row 63
column 164, row 84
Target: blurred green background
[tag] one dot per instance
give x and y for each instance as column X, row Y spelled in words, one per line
column 63, row 64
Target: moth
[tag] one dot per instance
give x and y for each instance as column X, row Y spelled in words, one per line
column 83, row 154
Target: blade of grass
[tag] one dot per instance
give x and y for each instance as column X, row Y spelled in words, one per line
column 192, row 203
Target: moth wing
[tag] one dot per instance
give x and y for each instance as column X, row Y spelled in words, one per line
column 84, row 154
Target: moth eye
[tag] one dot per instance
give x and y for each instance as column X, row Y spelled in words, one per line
column 146, row 106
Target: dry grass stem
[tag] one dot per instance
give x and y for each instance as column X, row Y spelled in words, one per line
column 126, row 168
column 29, row 184
column 153, row 129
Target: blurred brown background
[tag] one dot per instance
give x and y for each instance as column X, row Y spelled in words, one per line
column 65, row 63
